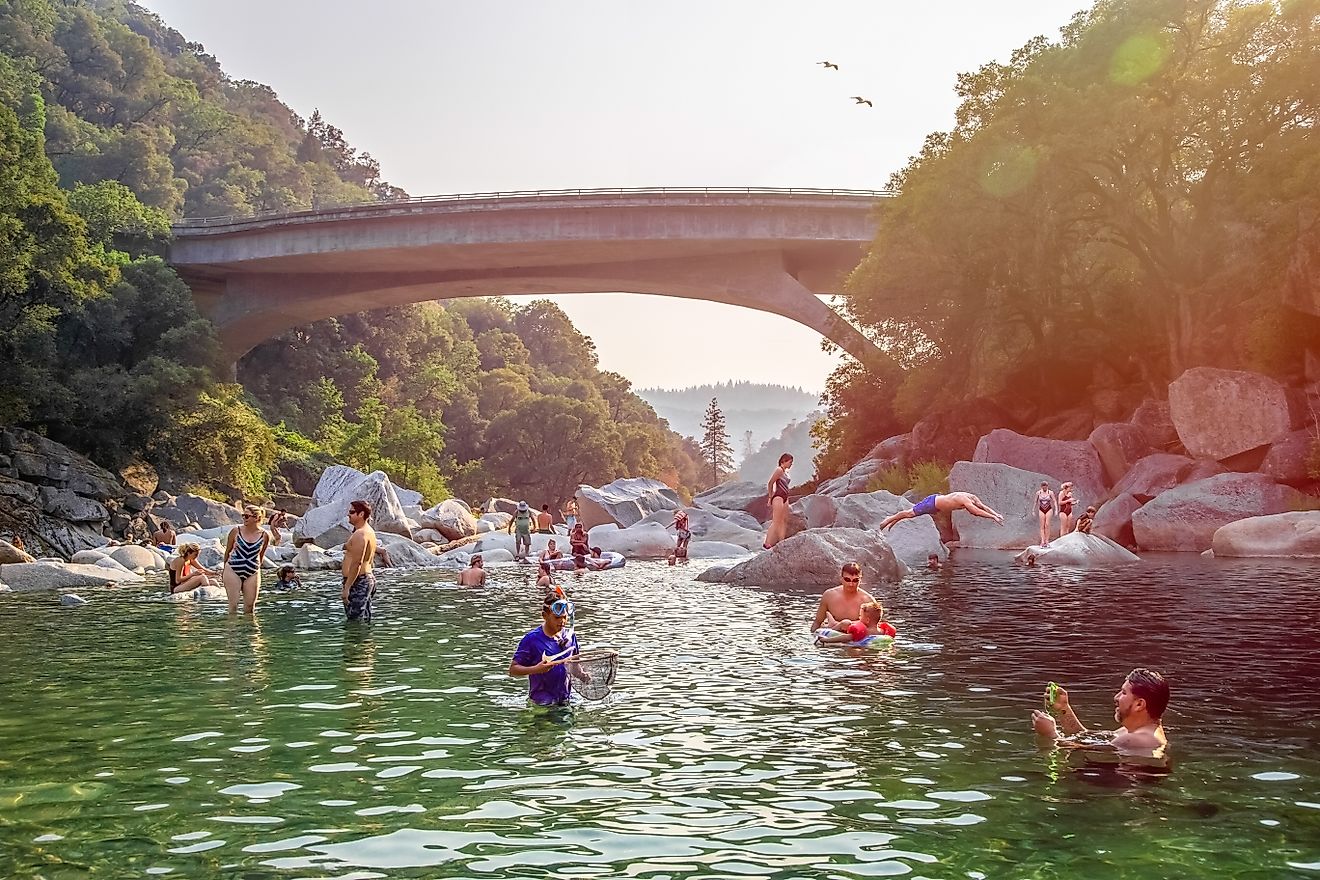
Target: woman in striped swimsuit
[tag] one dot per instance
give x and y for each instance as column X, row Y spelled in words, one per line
column 245, row 550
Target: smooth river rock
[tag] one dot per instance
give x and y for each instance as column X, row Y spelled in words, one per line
column 1075, row 548
column 1152, row 475
column 641, row 541
column 1114, row 518
column 1119, row 445
column 624, row 502
column 206, row 513
column 1221, row 413
column 912, row 540
column 10, row 555
column 813, row 558
column 736, row 495
column 1289, row 458
column 326, row 524
column 1186, row 518
column 706, row 525
column 1007, row 489
column 1295, row 534
column 451, row 518
column 59, row 576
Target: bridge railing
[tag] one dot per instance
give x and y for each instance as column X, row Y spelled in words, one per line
column 533, row 195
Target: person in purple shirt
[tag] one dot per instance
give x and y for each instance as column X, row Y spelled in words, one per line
column 542, row 653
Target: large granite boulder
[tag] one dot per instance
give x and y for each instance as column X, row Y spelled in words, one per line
column 1222, row 413
column 857, row 479
column 501, row 505
column 624, row 502
column 1186, row 517
column 1008, row 490
column 813, row 558
column 951, row 435
column 45, row 462
column 1294, row 535
column 912, row 540
column 1120, row 446
column 1288, row 460
column 406, row 553
column 1061, row 460
column 326, row 524
column 706, row 525
column 1075, row 548
column 714, row 550
column 1154, row 420
column 640, row 541
column 136, row 558
column 1152, row 475
column 497, row 521
column 194, row 508
column 60, row 576
column 1114, row 519
column 736, row 495
column 450, row 518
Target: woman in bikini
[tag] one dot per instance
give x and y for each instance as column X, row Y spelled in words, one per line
column 1066, row 502
column 1046, row 504
column 245, row 550
column 777, row 490
column 186, row 573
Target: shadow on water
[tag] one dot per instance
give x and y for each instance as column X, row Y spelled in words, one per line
column 143, row 736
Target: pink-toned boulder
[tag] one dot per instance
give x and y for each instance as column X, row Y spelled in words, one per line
column 1185, row 518
column 950, row 435
column 1201, row 470
column 1155, row 474
column 1006, row 489
column 1221, row 413
column 1114, row 519
column 1152, row 417
column 1291, row 535
column 1120, row 446
column 1288, row 459
column 1074, row 460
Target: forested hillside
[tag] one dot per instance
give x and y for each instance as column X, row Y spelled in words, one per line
column 112, row 124
column 750, row 408
column 1138, row 197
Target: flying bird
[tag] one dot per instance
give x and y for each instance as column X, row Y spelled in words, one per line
column 860, row 100
column 828, row 65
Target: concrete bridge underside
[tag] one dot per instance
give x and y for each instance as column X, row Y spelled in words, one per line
column 774, row 252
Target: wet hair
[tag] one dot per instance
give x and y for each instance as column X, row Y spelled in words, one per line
column 785, row 458
column 930, row 556
column 360, row 506
column 285, row 569
column 851, row 568
column 1151, row 687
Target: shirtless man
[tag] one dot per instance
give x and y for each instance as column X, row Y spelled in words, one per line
column 545, row 521
column 474, row 575
column 953, row 501
column 841, row 606
column 165, row 535
column 1138, row 706
column 359, row 552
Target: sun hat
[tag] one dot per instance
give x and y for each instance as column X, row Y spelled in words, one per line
column 522, row 505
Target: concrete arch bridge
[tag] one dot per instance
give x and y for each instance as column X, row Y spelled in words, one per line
column 766, row 249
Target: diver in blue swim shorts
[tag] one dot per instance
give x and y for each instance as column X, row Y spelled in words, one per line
column 931, row 504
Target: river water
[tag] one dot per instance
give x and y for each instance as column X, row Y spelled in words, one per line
column 142, row 737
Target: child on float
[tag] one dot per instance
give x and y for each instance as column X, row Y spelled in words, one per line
column 872, row 623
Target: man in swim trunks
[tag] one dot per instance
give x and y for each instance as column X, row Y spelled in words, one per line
column 521, row 529
column 1138, row 706
column 841, row 606
column 474, row 575
column 929, row 505
column 359, row 552
column 545, row 521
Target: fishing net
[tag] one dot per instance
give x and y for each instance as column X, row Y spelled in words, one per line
column 593, row 673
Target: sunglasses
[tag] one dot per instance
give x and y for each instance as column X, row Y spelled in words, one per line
column 560, row 607
column 853, row 579
column 249, row 516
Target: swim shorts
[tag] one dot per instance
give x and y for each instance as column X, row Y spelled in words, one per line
column 924, row 507
column 358, row 606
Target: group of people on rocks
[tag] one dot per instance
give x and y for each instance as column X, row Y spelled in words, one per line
column 1050, row 504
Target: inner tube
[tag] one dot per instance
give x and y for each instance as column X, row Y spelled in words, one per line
column 872, row 642
column 611, row 560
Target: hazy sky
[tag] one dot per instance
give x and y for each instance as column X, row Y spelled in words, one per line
column 490, row 96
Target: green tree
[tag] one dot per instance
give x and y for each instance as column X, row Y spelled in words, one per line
column 715, row 442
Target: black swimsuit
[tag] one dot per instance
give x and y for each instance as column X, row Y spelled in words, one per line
column 781, row 490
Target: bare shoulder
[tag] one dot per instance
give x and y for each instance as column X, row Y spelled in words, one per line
column 1140, row 741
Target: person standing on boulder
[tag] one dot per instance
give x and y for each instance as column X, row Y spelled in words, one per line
column 359, row 553
column 521, row 529
column 1067, row 500
column 1046, row 505
column 245, row 550
column 545, row 521
column 571, row 513
column 777, row 491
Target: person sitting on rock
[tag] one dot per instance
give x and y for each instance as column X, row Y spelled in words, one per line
column 186, row 573
column 1138, row 706
column 1086, row 521
column 871, row 622
column 287, row 579
column 944, row 503
column 475, row 574
column 165, row 537
column 577, row 545
column 841, row 606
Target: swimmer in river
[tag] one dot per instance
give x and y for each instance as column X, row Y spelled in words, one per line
column 1138, row 706
column 953, row 501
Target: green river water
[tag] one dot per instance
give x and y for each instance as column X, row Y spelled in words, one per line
column 143, row 737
